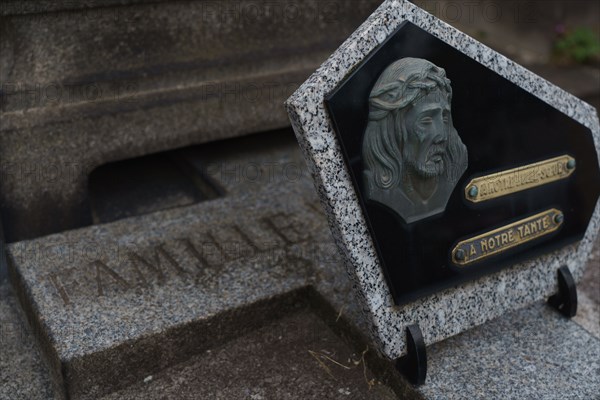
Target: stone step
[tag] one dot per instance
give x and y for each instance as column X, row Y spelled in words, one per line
column 23, row 373
column 112, row 303
column 532, row 353
column 218, row 334
column 86, row 84
column 297, row 357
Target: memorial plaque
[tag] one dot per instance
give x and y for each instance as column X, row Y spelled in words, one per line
column 456, row 181
column 420, row 124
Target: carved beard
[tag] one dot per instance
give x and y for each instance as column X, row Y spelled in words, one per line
column 425, row 171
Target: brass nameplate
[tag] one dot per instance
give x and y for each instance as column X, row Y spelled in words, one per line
column 509, row 236
column 518, row 179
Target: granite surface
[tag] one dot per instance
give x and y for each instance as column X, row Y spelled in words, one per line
column 588, row 295
column 112, row 303
column 297, row 357
column 452, row 311
column 23, row 375
column 533, row 353
column 273, row 368
column 191, row 357
column 83, row 86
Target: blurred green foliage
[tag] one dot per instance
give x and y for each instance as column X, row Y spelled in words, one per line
column 580, row 45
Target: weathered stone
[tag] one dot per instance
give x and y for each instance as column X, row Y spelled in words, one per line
column 533, row 353
column 297, row 357
column 127, row 334
column 99, row 84
column 513, row 356
column 116, row 302
column 23, row 375
column 588, row 295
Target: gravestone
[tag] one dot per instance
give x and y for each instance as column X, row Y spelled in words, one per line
column 178, row 299
column 456, row 182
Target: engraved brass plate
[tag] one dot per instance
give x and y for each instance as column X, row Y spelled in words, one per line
column 506, row 237
column 517, row 179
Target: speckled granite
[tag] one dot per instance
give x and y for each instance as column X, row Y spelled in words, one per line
column 530, row 354
column 85, row 83
column 281, row 368
column 588, row 294
column 115, row 302
column 23, row 375
column 283, row 360
column 452, row 311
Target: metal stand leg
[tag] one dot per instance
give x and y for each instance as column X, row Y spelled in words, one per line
column 414, row 364
column 565, row 301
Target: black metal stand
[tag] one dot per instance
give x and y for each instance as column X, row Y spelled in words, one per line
column 565, row 301
column 414, row 364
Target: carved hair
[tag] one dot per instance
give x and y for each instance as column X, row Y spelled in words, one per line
column 401, row 84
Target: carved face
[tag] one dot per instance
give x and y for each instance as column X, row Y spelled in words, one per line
column 427, row 125
column 409, row 141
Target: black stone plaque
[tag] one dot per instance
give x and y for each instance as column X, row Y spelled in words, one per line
column 503, row 127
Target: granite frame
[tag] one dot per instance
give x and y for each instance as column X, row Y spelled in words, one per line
column 454, row 310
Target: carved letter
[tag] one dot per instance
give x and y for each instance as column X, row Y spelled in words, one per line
column 156, row 267
column 103, row 268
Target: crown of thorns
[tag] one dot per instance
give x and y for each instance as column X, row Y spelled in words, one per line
column 402, row 92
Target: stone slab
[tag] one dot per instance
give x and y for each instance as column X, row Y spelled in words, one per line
column 533, row 353
column 162, row 75
column 16, row 7
column 530, row 354
column 297, row 357
column 449, row 312
column 23, row 374
column 457, row 365
column 117, row 301
column 588, row 295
